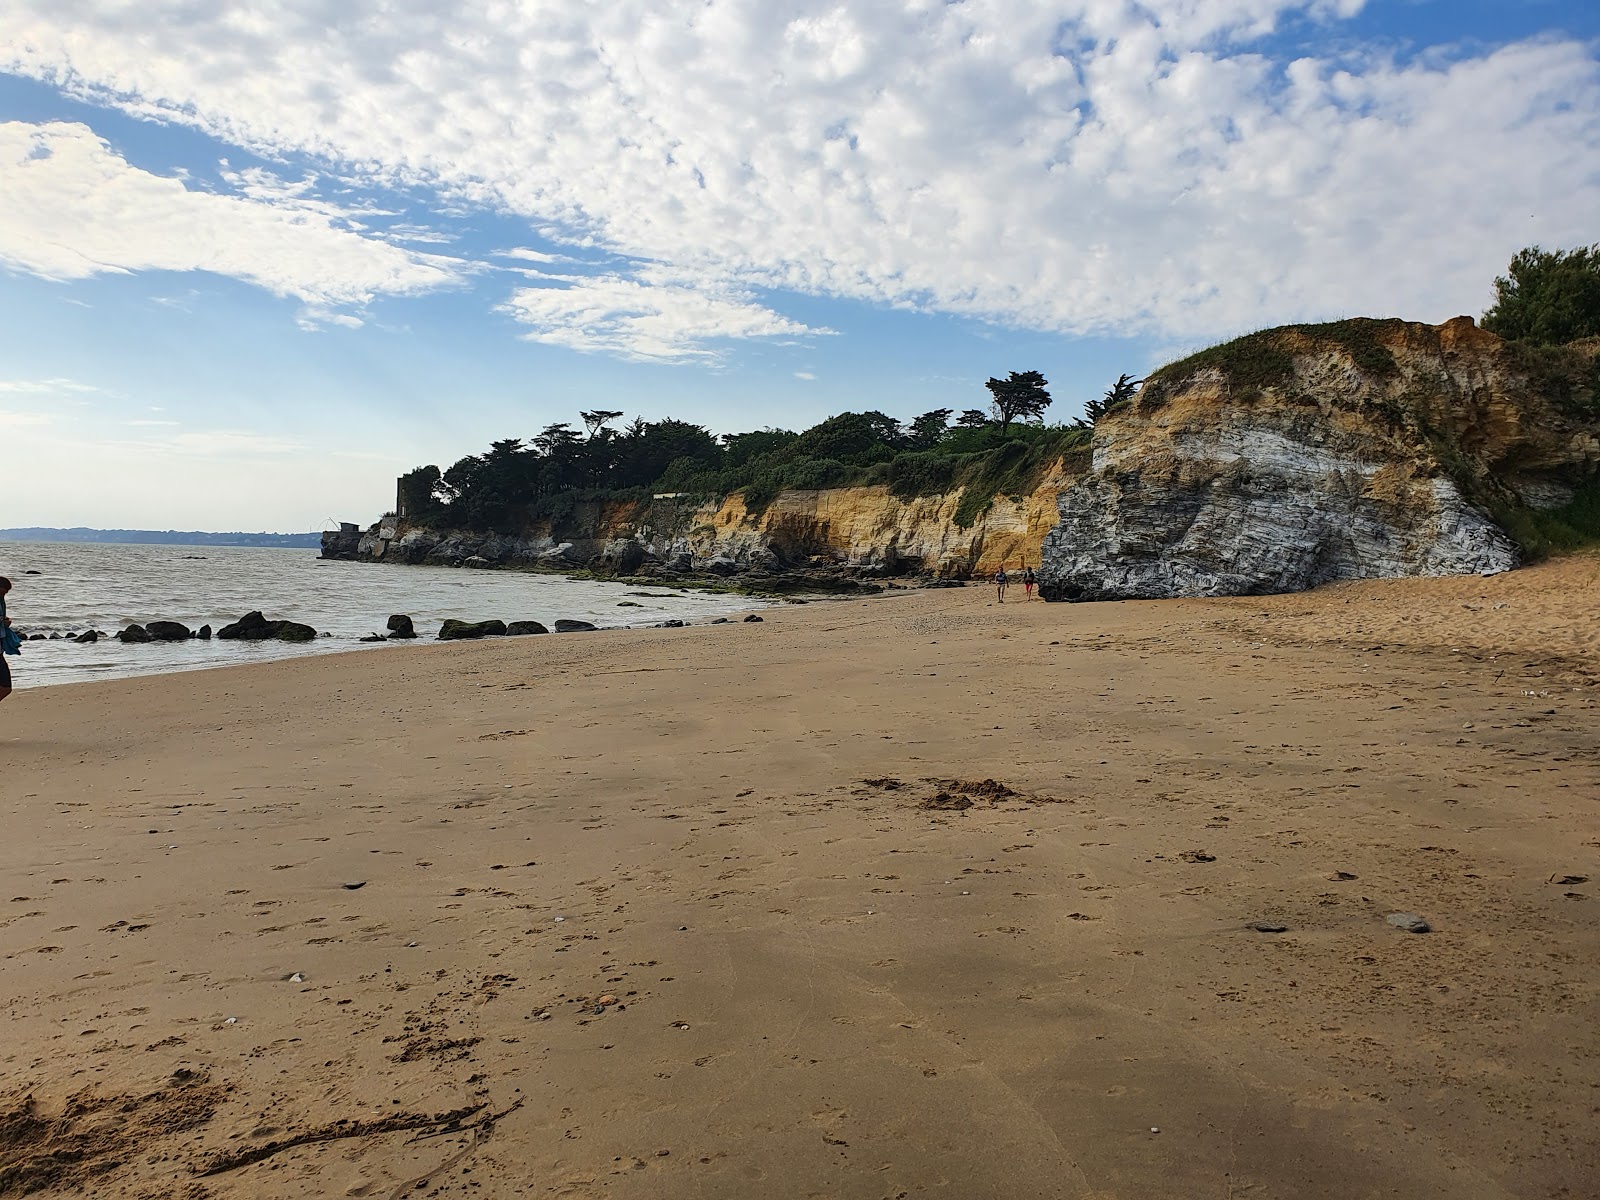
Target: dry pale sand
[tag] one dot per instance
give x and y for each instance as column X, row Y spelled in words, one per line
column 685, row 913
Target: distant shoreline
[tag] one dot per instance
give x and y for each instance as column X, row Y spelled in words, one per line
column 81, row 535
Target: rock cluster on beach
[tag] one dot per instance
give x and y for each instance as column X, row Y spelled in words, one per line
column 253, row 627
column 161, row 631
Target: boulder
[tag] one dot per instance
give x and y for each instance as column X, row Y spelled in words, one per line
column 753, row 619
column 561, row 555
column 133, row 634
column 203, row 633
column 400, row 627
column 566, row 626
column 88, row 638
column 479, row 563
column 722, row 565
column 252, row 627
column 624, row 556
column 453, row 630
column 168, row 631
column 673, row 624
column 523, row 628
column 374, row 637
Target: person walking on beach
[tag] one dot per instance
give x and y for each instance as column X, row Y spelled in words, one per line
column 1000, row 581
column 10, row 641
column 1027, row 581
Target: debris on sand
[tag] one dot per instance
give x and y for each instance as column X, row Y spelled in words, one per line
column 1410, row 922
column 78, row 1144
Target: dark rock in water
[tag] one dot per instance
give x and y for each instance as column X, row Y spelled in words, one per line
column 1410, row 922
column 720, row 621
column 1268, row 926
column 400, row 626
column 453, row 630
column 39, row 637
column 30, row 572
column 374, row 637
column 133, row 634
column 203, row 633
column 753, row 619
column 479, row 563
column 88, row 638
column 55, row 637
column 524, row 628
column 252, row 627
column 168, row 631
column 566, row 626
column 673, row 624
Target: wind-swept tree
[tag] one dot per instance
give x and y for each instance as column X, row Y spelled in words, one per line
column 972, row 418
column 1548, row 297
column 1123, row 390
column 597, row 420
column 1020, row 396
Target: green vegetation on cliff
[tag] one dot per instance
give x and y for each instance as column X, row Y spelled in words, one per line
column 547, row 477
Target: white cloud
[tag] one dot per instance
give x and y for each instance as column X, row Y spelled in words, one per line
column 804, row 375
column 47, row 387
column 74, row 208
column 646, row 318
column 1083, row 166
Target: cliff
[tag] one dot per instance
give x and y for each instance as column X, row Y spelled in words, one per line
column 849, row 531
column 1308, row 454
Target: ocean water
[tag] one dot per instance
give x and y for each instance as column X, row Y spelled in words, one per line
column 106, row 587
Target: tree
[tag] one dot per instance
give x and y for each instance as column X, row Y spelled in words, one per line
column 973, row 418
column 597, row 420
column 1123, row 390
column 924, row 432
column 1549, row 297
column 1019, row 396
column 660, row 444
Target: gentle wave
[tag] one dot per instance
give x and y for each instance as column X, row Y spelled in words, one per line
column 103, row 586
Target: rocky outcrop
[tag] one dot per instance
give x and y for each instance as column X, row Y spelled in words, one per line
column 831, row 539
column 1305, row 455
column 253, row 627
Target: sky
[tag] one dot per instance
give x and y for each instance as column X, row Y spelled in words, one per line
column 258, row 257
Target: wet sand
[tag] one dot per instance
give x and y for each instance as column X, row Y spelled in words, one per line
column 729, row 911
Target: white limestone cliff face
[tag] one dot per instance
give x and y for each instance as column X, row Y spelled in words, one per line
column 1341, row 457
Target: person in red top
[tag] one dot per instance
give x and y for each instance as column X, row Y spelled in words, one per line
column 1027, row 580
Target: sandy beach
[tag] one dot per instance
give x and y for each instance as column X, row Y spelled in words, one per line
column 911, row 896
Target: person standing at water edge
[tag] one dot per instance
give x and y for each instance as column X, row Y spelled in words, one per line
column 1000, row 581
column 10, row 643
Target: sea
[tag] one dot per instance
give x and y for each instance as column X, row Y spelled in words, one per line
column 62, row 587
